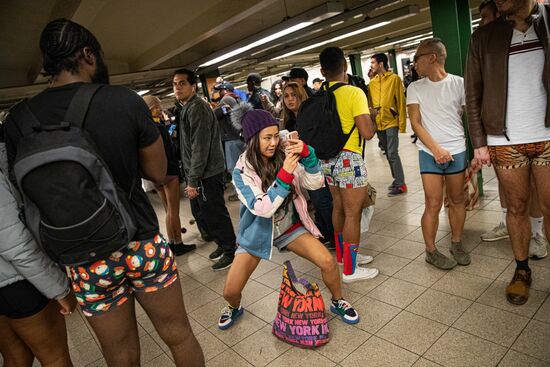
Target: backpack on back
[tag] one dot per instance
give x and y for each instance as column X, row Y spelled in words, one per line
column 73, row 207
column 319, row 125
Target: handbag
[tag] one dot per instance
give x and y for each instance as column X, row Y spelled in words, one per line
column 301, row 318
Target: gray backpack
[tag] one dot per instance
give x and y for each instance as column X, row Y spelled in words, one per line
column 73, row 207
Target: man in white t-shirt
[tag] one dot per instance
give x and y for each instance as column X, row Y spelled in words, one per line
column 507, row 82
column 435, row 105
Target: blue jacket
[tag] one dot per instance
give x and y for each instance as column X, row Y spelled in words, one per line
column 255, row 233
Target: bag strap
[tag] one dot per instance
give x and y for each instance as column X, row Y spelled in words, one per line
column 293, row 279
column 27, row 122
column 78, row 108
column 334, row 87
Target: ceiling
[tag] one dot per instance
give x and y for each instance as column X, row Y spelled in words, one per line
column 144, row 41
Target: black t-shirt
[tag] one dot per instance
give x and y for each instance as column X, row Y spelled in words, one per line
column 120, row 123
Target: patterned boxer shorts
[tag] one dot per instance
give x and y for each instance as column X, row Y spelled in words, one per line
column 520, row 155
column 143, row 266
column 347, row 171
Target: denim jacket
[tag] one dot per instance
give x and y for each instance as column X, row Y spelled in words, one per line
column 255, row 233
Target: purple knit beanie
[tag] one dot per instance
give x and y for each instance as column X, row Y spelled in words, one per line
column 251, row 121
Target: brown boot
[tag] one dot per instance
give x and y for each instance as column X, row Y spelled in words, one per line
column 517, row 292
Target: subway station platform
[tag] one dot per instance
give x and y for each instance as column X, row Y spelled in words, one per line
column 412, row 314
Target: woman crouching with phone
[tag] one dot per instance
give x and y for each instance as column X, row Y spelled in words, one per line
column 269, row 180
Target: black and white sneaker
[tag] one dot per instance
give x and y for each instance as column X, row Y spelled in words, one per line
column 216, row 254
column 224, row 262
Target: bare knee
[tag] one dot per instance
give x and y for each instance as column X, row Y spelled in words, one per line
column 433, row 204
column 456, row 200
column 328, row 264
column 352, row 213
column 518, row 208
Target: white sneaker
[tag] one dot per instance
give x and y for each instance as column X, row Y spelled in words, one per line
column 361, row 260
column 360, row 274
column 500, row 232
column 538, row 247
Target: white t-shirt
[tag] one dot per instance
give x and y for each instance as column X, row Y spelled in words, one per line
column 526, row 102
column 441, row 105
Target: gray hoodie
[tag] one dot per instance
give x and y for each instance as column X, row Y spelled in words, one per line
column 20, row 256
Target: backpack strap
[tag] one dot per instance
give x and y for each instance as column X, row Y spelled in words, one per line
column 27, row 123
column 334, row 87
column 78, row 108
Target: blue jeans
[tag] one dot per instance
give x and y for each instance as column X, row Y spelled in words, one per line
column 322, row 202
column 389, row 139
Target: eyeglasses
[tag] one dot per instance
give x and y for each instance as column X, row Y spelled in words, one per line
column 417, row 56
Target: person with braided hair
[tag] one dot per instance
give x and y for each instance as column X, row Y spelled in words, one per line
column 126, row 138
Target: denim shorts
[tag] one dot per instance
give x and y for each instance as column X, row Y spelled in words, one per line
column 280, row 242
column 428, row 165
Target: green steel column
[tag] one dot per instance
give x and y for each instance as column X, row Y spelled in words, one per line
column 356, row 66
column 393, row 60
column 452, row 22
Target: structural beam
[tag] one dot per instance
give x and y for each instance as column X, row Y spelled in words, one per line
column 194, row 33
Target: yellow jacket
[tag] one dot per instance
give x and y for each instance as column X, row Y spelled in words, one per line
column 387, row 95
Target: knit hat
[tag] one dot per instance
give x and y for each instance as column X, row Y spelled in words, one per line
column 151, row 101
column 244, row 117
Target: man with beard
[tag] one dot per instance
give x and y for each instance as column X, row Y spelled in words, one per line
column 125, row 137
column 507, row 81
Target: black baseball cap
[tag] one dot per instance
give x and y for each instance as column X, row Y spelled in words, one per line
column 296, row 73
column 317, row 80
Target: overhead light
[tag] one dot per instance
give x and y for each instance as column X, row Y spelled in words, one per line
column 260, row 42
column 358, row 28
column 142, row 92
column 264, row 38
column 404, row 40
column 170, row 94
column 350, row 34
column 416, row 41
column 337, row 23
column 358, row 16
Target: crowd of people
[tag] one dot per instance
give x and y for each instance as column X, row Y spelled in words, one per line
column 100, row 246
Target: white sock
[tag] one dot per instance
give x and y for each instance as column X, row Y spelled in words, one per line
column 536, row 225
column 503, row 216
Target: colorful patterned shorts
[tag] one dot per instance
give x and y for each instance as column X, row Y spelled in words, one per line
column 347, row 170
column 520, row 155
column 144, row 266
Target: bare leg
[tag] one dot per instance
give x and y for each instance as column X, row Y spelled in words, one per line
column 45, row 334
column 172, row 324
column 541, row 176
column 118, row 335
column 310, row 248
column 433, row 193
column 161, row 189
column 173, row 223
column 337, row 209
column 14, row 350
column 457, row 208
column 515, row 183
column 239, row 273
column 352, row 200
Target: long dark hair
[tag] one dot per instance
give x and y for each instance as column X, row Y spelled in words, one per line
column 267, row 172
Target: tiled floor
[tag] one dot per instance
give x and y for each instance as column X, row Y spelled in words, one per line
column 413, row 314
